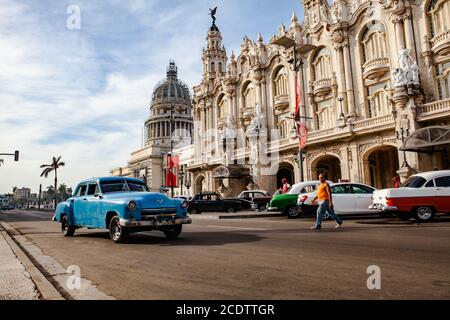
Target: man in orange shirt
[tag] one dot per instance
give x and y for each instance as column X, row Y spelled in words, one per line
column 325, row 201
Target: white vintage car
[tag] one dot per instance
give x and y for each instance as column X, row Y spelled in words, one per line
column 421, row 196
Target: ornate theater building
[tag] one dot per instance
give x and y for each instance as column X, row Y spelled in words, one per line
column 373, row 90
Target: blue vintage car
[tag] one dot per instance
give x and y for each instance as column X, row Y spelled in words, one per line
column 122, row 205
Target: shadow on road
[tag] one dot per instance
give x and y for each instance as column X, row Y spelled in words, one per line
column 186, row 239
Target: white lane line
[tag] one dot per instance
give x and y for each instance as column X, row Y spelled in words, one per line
column 240, row 228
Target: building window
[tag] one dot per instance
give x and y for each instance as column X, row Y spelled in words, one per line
column 280, row 83
column 221, row 107
column 443, row 79
column 249, row 96
column 322, row 65
column 326, row 115
column 439, row 15
column 374, row 43
column 377, row 97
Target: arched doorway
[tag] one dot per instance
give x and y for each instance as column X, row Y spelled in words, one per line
column 286, row 171
column 330, row 166
column 199, row 184
column 383, row 164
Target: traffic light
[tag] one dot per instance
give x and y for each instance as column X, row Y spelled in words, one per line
column 16, row 156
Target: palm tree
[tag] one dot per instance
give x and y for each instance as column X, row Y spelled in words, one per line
column 62, row 189
column 54, row 166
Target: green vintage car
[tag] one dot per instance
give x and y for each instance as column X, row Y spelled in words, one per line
column 288, row 201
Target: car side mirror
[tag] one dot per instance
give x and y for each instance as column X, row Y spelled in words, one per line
column 98, row 196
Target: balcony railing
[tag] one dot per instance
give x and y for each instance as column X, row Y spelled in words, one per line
column 281, row 103
column 434, row 109
column 320, row 133
column 374, row 122
column 440, row 44
column 375, row 68
column 322, row 87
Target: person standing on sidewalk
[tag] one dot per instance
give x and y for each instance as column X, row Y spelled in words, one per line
column 325, row 201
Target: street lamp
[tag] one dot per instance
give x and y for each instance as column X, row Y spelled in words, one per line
column 181, row 174
column 289, row 43
column 340, row 99
column 15, row 155
column 402, row 135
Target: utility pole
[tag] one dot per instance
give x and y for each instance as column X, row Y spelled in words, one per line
column 171, row 149
column 39, row 198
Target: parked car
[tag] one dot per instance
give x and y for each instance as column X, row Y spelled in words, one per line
column 123, row 206
column 214, row 202
column 287, row 203
column 421, row 196
column 348, row 198
column 259, row 197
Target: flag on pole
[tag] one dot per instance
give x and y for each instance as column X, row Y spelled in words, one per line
column 298, row 98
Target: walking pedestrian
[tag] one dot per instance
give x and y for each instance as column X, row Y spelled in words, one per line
column 286, row 186
column 396, row 181
column 325, row 200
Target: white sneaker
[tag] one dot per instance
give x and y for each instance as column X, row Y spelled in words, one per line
column 339, row 225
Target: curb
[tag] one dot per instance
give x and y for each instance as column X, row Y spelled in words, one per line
column 252, row 216
column 46, row 290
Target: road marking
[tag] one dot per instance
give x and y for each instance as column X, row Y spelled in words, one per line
column 240, row 228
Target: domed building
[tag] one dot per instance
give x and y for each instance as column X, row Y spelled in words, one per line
column 168, row 128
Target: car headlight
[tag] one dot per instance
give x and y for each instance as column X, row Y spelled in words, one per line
column 132, row 205
column 185, row 204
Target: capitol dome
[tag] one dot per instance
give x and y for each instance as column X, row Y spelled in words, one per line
column 171, row 89
column 170, row 122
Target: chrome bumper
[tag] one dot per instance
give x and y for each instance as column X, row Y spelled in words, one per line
column 154, row 223
column 273, row 209
column 254, row 206
column 382, row 208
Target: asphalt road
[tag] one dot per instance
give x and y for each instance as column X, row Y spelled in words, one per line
column 270, row 258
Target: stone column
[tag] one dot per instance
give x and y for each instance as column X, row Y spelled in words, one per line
column 349, row 80
column 400, row 36
column 342, row 88
column 409, row 35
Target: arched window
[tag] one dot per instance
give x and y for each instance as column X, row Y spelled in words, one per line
column 374, row 43
column 213, row 67
column 443, row 79
column 249, row 96
column 439, row 15
column 378, row 104
column 325, row 115
column 280, row 83
column 322, row 65
column 221, row 107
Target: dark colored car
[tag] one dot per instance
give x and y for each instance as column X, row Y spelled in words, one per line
column 214, row 202
column 259, row 197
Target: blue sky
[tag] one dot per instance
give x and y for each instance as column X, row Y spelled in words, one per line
column 84, row 94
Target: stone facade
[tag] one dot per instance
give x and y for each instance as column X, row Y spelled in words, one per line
column 376, row 69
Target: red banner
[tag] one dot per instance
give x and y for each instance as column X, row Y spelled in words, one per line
column 302, row 132
column 298, row 98
column 172, row 169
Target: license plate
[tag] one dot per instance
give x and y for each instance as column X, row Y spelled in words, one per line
column 165, row 223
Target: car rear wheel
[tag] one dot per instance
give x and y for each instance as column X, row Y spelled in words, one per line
column 262, row 208
column 424, row 214
column 117, row 233
column 174, row 232
column 294, row 212
column 67, row 230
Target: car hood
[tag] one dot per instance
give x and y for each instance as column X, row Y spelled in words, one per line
column 146, row 199
column 284, row 197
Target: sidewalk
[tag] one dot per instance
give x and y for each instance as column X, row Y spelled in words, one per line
column 15, row 282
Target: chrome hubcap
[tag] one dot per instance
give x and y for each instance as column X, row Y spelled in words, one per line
column 116, row 230
column 424, row 213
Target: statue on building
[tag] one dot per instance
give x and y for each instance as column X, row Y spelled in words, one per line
column 408, row 71
column 213, row 13
column 257, row 122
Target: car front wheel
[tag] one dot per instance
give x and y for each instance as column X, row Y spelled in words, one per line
column 424, row 214
column 174, row 232
column 231, row 210
column 67, row 229
column 117, row 233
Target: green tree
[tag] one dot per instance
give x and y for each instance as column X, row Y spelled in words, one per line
column 53, row 167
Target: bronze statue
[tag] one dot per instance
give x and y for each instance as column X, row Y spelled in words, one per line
column 213, row 14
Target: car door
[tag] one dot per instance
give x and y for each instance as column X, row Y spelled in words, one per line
column 343, row 199
column 78, row 203
column 363, row 198
column 443, row 193
column 90, row 206
column 216, row 204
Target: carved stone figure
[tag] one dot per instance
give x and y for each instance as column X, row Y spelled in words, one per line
column 230, row 132
column 399, row 77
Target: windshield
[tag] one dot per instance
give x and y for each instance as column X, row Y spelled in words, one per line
column 121, row 185
column 302, row 188
column 414, row 182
